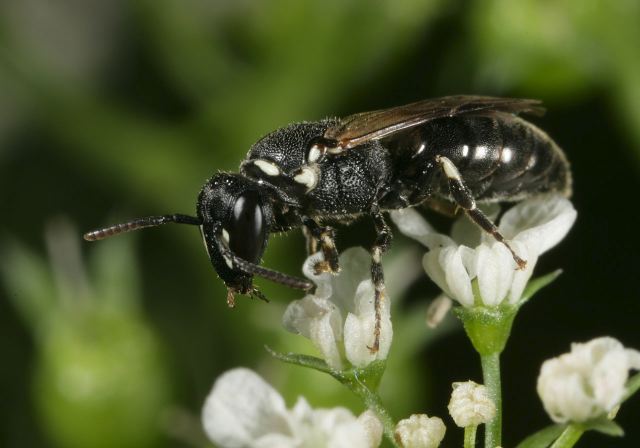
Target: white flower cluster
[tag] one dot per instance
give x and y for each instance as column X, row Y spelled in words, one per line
column 420, row 431
column 340, row 316
column 470, row 404
column 532, row 227
column 244, row 411
column 588, row 382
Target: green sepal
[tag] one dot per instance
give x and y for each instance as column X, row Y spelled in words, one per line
column 604, row 426
column 633, row 385
column 488, row 328
column 301, row 360
column 537, row 284
column 543, row 438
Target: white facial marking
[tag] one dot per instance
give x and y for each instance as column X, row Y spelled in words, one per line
column 225, row 236
column 228, row 261
column 307, row 177
column 420, row 149
column 314, row 154
column 449, row 168
column 269, row 168
column 465, row 151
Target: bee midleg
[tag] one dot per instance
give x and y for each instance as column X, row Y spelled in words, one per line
column 380, row 246
column 463, row 197
column 325, row 238
column 311, row 244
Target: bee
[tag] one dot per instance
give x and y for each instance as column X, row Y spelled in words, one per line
column 457, row 150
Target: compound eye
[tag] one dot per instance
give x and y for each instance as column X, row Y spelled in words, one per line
column 247, row 229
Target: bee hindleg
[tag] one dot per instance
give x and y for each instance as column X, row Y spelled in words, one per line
column 464, row 199
column 382, row 243
column 325, row 238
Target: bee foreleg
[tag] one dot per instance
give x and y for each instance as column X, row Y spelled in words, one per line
column 464, row 199
column 325, row 237
column 382, row 243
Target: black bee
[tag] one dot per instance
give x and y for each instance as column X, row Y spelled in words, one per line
column 458, row 149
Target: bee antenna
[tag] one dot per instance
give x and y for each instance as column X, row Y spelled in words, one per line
column 253, row 269
column 140, row 223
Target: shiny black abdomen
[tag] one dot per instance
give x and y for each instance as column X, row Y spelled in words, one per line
column 500, row 157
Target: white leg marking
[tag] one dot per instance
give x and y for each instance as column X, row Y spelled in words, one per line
column 449, row 168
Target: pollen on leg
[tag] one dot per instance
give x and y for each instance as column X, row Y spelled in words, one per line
column 231, row 301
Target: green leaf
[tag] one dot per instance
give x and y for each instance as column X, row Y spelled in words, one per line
column 604, row 426
column 632, row 386
column 543, row 438
column 537, row 284
column 301, row 360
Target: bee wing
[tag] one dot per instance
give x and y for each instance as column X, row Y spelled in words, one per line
column 360, row 128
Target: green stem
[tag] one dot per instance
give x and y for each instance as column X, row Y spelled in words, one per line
column 373, row 402
column 569, row 437
column 491, row 379
column 470, row 436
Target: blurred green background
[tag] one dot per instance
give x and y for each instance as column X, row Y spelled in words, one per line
column 111, row 109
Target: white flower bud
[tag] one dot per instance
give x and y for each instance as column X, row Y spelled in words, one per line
column 588, row 382
column 470, row 404
column 420, row 431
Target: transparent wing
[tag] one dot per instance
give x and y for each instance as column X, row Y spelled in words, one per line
column 359, row 128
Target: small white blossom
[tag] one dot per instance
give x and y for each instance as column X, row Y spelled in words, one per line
column 588, row 382
column 242, row 410
column 470, row 404
column 532, row 227
column 420, row 431
column 340, row 316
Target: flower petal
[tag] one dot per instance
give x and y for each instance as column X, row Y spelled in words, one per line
column 319, row 320
column 457, row 280
column 466, row 232
column 521, row 276
column 242, row 407
column 356, row 267
column 540, row 222
column 495, row 268
column 359, row 328
column 324, row 287
column 373, row 427
column 412, row 224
